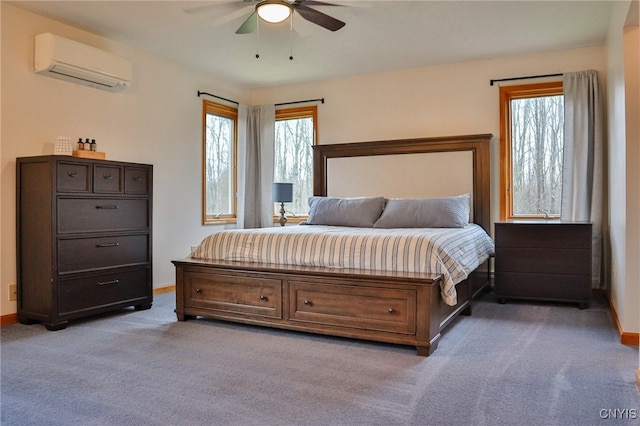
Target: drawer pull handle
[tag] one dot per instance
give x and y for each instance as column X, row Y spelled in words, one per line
column 107, row 245
column 391, row 310
column 72, row 173
column 108, row 282
column 198, row 290
column 263, row 298
column 306, row 302
column 107, row 207
column 107, row 176
column 136, row 178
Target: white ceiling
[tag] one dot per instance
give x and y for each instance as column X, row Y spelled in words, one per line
column 379, row 35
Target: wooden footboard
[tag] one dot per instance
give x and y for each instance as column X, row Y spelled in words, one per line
column 402, row 309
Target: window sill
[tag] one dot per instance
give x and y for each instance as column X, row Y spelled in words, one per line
column 290, row 220
column 227, row 221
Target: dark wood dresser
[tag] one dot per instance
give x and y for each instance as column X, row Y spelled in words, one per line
column 543, row 260
column 83, row 238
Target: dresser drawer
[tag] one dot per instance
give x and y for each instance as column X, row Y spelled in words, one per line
column 107, row 179
column 137, row 180
column 236, row 295
column 73, row 177
column 368, row 308
column 103, row 290
column 82, row 254
column 104, row 214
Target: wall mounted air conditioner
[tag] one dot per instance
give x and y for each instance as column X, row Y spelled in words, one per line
column 69, row 60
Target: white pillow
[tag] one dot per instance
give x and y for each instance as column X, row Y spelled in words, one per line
column 448, row 212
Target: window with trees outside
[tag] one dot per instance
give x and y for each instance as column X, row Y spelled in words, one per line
column 532, row 138
column 220, row 124
column 295, row 135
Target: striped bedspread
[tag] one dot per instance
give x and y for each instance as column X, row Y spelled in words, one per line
column 452, row 252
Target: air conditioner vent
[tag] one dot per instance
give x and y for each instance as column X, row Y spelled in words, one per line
column 69, row 60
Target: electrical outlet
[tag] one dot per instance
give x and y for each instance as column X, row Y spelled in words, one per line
column 13, row 294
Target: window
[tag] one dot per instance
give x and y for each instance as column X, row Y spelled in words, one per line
column 296, row 133
column 532, row 136
column 220, row 124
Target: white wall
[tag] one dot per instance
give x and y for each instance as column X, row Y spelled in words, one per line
column 632, row 113
column 158, row 121
column 624, row 168
column 616, row 159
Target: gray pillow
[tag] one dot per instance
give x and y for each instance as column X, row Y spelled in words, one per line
column 448, row 212
column 357, row 212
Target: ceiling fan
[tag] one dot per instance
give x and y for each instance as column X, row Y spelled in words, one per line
column 274, row 11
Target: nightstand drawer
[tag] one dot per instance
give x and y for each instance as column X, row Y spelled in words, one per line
column 543, row 260
column 542, row 286
column 544, row 235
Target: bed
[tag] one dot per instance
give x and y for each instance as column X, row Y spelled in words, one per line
column 405, row 305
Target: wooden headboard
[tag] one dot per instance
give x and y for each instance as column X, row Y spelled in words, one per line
column 477, row 146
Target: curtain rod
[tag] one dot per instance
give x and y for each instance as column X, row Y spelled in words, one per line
column 524, row 78
column 321, row 100
column 217, row 97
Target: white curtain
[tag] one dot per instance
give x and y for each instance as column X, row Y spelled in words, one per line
column 582, row 175
column 256, row 130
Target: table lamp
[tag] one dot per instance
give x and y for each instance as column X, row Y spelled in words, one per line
column 282, row 193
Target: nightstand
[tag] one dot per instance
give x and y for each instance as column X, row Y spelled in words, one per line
column 543, row 260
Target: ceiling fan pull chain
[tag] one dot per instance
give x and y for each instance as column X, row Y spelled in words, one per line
column 258, row 39
column 291, row 37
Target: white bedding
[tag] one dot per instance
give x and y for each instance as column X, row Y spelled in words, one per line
column 452, row 252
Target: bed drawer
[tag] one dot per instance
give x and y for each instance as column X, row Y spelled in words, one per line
column 368, row 308
column 105, row 214
column 231, row 294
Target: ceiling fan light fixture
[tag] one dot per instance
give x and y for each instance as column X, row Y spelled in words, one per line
column 274, row 11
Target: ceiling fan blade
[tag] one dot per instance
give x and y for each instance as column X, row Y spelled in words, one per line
column 314, row 3
column 319, row 18
column 249, row 25
column 231, row 16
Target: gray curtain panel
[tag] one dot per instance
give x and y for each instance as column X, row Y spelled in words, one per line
column 257, row 211
column 582, row 175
